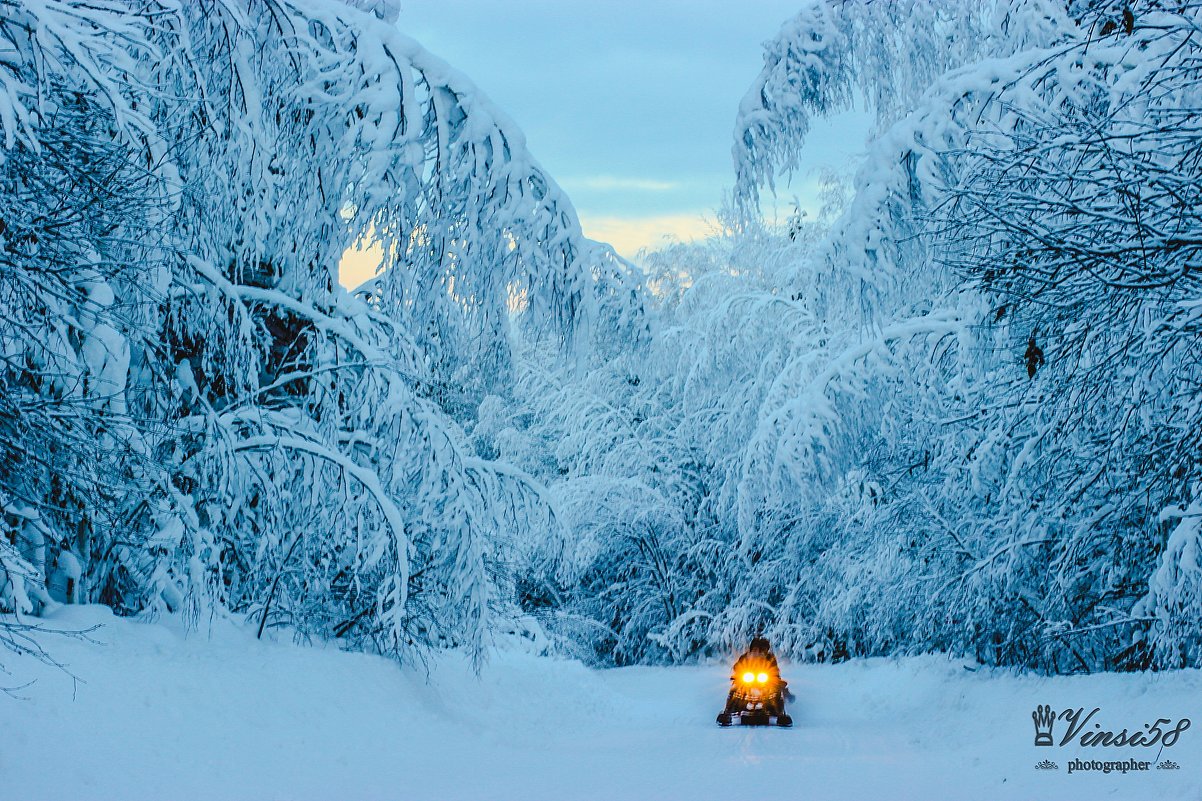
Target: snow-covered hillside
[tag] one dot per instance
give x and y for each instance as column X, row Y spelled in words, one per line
column 157, row 715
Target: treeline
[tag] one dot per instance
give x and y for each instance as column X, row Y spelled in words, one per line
column 960, row 412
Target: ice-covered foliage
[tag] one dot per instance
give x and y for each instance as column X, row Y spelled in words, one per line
column 193, row 414
column 962, row 416
column 1071, row 206
column 959, row 411
column 721, row 464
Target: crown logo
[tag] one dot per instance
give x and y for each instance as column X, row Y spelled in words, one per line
column 1044, row 718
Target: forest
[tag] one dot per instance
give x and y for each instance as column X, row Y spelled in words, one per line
column 958, row 411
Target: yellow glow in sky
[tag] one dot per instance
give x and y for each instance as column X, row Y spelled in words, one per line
column 358, row 266
column 628, row 235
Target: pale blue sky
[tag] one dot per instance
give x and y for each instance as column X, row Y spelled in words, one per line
column 629, row 105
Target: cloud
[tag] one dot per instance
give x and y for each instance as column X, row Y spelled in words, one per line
column 605, row 183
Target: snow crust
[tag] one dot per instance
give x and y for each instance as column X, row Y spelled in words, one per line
column 158, row 715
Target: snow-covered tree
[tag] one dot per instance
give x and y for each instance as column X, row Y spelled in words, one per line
column 1040, row 191
column 951, row 417
column 205, row 421
column 956, row 412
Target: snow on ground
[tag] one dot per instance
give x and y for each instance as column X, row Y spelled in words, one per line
column 157, row 715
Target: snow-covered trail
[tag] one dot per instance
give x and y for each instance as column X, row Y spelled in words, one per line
column 160, row 716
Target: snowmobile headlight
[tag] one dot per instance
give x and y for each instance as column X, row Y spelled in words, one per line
column 748, row 678
column 762, row 678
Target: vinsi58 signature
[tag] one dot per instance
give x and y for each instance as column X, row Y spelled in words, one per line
column 1163, row 732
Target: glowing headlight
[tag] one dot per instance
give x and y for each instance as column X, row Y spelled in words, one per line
column 748, row 678
column 762, row 678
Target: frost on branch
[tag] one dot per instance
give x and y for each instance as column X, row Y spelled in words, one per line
column 195, row 413
column 946, row 419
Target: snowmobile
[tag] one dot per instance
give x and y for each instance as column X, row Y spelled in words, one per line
column 756, row 699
